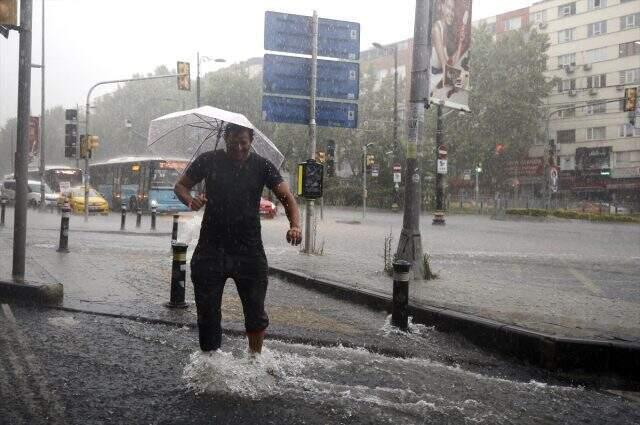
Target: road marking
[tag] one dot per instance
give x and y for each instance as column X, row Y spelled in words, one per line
column 588, row 283
column 50, row 406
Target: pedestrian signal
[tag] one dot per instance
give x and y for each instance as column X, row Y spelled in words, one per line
column 310, row 180
column 184, row 76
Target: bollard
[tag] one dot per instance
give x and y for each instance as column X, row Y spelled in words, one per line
column 400, row 303
column 64, row 229
column 178, row 276
column 138, row 217
column 174, row 230
column 3, row 207
column 123, row 219
column 154, row 212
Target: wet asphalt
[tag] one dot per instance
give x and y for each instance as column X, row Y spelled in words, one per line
column 59, row 367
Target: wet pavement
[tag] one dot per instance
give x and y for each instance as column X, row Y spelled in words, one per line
column 327, row 361
column 59, row 367
column 566, row 278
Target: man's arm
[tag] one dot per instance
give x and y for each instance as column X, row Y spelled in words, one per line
column 284, row 195
column 182, row 189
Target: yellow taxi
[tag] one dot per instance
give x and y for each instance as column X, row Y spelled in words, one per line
column 97, row 204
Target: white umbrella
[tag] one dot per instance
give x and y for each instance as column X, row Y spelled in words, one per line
column 190, row 133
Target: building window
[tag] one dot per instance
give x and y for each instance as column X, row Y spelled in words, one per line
column 596, row 133
column 597, row 4
column 596, row 55
column 627, row 157
column 568, row 111
column 567, row 10
column 565, row 36
column 566, row 85
column 630, row 49
column 566, row 136
column 513, row 24
column 630, row 21
column 630, row 76
column 539, row 17
column 627, row 130
column 597, row 28
column 595, row 108
column 567, row 163
column 565, row 60
column 491, row 28
column 597, row 81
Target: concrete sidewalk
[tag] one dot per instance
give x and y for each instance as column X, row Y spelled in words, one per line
column 567, row 279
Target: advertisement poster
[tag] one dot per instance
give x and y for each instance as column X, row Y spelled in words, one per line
column 34, row 136
column 451, row 40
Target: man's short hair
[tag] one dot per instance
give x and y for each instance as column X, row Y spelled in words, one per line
column 233, row 129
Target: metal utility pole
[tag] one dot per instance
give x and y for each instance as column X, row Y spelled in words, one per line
column 410, row 244
column 439, row 213
column 198, row 80
column 309, row 231
column 22, row 148
column 42, row 112
column 364, row 180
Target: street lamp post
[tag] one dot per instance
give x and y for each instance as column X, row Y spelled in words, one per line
column 364, row 179
column 396, row 149
column 199, row 60
column 478, row 171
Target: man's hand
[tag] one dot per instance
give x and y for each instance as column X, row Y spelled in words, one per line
column 294, row 236
column 197, row 202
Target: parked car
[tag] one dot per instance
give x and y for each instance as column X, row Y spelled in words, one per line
column 268, row 209
column 97, row 204
column 8, row 191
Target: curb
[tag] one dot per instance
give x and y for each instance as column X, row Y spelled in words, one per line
column 34, row 293
column 559, row 354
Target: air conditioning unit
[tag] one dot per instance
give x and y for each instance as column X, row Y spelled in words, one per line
column 587, row 67
column 569, row 69
column 593, row 92
column 620, row 87
column 573, row 93
column 542, row 25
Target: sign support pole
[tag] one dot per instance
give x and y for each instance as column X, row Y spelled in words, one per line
column 438, row 217
column 309, row 230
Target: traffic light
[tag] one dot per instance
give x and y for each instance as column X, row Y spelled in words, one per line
column 87, row 145
column 184, row 76
column 310, row 180
column 320, row 157
column 371, row 159
column 331, row 158
column 70, row 133
column 9, row 12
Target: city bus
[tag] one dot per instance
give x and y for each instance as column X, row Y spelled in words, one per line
column 139, row 182
column 56, row 174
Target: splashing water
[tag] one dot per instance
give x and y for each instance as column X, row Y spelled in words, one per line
column 415, row 329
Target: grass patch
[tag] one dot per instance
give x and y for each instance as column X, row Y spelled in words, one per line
column 575, row 215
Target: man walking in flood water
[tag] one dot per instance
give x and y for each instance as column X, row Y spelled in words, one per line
column 230, row 244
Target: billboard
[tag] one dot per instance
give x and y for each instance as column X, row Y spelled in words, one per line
column 451, row 40
column 593, row 159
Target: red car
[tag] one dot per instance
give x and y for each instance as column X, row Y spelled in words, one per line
column 268, row 209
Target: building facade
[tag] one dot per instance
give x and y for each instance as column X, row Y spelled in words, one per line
column 594, row 56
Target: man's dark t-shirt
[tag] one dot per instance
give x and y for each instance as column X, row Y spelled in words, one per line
column 232, row 215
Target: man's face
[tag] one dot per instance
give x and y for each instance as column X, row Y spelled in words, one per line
column 238, row 145
column 448, row 11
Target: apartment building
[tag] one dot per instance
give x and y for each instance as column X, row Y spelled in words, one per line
column 595, row 56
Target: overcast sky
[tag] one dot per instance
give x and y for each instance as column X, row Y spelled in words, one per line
column 93, row 40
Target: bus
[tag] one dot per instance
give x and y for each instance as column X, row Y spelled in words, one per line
column 139, row 182
column 56, row 174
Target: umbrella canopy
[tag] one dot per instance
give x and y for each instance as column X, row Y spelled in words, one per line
column 190, row 133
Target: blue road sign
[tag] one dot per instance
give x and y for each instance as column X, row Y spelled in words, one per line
column 290, row 75
column 296, row 111
column 293, row 34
